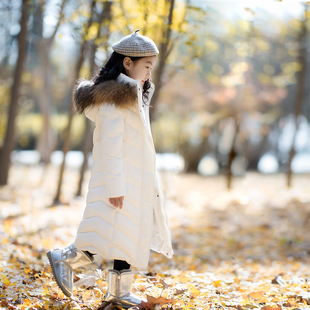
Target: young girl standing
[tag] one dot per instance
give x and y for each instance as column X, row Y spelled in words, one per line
column 124, row 216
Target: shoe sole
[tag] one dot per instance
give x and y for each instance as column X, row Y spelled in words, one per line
column 63, row 289
column 125, row 306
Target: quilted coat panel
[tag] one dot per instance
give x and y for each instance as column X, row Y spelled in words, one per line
column 124, row 164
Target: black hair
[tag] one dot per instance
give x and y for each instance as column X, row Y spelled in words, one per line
column 114, row 67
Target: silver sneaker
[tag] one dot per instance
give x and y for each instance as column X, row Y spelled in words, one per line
column 63, row 261
column 119, row 285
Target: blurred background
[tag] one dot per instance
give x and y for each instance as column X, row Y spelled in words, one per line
column 232, row 82
column 230, row 122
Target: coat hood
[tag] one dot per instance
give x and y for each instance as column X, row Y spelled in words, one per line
column 122, row 91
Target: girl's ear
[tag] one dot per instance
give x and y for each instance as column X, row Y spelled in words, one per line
column 127, row 62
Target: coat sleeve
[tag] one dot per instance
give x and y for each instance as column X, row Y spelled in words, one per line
column 111, row 148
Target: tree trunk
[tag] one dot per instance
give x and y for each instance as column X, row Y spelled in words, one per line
column 47, row 141
column 163, row 55
column 87, row 140
column 66, row 145
column 193, row 154
column 232, row 153
column 301, row 77
column 10, row 138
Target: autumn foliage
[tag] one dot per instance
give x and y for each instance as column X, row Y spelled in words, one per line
column 247, row 248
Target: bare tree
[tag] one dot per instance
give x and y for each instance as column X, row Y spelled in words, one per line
column 232, row 153
column 104, row 19
column 301, row 77
column 47, row 140
column 165, row 48
column 10, row 138
column 240, row 103
column 79, row 64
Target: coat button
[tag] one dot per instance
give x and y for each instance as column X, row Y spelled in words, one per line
column 143, row 105
column 157, row 195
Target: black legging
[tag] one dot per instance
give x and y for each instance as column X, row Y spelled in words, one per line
column 118, row 264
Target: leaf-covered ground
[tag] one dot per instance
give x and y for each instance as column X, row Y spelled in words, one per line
column 240, row 249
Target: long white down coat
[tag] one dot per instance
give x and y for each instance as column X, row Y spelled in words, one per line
column 124, row 164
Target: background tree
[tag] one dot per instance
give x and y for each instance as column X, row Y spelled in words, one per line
column 212, row 70
column 47, row 141
column 101, row 34
column 300, row 91
column 10, row 138
column 233, row 60
column 66, row 145
column 168, row 23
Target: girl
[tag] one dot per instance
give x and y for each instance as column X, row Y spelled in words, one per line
column 124, row 216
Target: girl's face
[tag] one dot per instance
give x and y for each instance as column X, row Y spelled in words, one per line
column 140, row 69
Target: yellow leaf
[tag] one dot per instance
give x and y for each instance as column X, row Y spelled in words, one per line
column 27, row 270
column 248, row 304
column 217, row 283
column 184, row 278
column 45, row 291
column 278, row 307
column 276, row 299
column 92, row 31
column 193, row 291
column 27, row 302
column 256, row 295
column 5, row 280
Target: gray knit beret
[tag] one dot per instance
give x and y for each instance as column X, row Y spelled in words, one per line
column 136, row 45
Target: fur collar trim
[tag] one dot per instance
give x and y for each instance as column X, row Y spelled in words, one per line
column 122, row 92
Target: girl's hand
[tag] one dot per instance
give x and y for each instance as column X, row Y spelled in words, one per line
column 117, row 202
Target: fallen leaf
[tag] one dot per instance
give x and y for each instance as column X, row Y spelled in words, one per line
column 180, row 291
column 256, row 295
column 217, row 283
column 271, row 308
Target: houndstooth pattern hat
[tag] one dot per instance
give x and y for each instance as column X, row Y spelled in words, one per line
column 136, row 45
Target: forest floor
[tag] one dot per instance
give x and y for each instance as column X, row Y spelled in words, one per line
column 244, row 248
